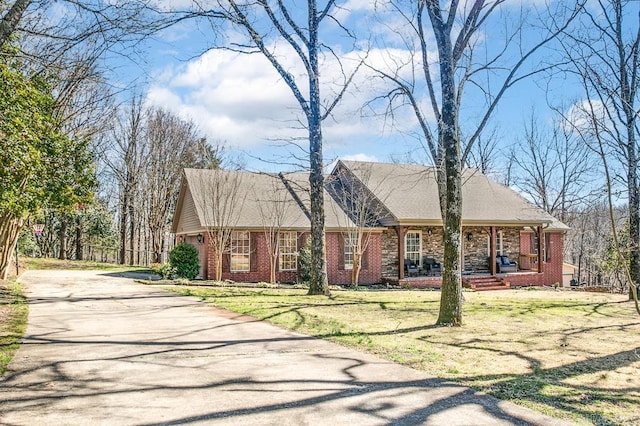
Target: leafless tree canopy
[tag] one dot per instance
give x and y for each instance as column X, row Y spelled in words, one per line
column 603, row 52
column 435, row 86
column 148, row 149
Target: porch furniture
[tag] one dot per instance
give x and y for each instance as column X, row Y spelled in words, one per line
column 410, row 268
column 505, row 265
column 431, row 266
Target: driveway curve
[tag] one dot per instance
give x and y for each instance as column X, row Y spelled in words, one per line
column 101, row 349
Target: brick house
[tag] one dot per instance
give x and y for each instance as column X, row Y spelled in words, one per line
column 406, row 229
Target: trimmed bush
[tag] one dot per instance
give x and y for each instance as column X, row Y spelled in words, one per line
column 184, row 257
column 165, row 270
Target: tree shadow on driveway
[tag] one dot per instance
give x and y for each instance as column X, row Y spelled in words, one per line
column 137, row 357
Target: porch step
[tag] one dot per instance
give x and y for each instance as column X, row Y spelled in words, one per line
column 485, row 283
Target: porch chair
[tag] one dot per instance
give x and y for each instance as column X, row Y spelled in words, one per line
column 410, row 268
column 505, row 265
column 431, row 266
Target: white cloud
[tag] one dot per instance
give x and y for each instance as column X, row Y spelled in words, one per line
column 581, row 116
column 241, row 99
column 360, row 157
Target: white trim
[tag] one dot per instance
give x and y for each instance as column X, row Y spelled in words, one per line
column 248, row 253
column 406, row 252
column 348, row 250
column 294, row 252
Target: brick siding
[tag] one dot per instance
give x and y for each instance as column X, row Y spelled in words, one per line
column 261, row 273
column 382, row 257
column 371, row 273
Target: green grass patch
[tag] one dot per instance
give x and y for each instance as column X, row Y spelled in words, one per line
column 571, row 355
column 41, row 263
column 13, row 320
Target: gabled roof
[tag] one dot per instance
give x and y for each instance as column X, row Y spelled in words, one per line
column 299, row 185
column 410, row 193
column 260, row 200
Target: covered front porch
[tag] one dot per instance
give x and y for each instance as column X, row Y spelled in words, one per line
column 492, row 256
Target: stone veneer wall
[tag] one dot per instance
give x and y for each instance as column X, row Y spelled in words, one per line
column 389, row 244
column 475, row 251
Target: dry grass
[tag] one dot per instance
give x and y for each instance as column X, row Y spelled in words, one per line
column 572, row 355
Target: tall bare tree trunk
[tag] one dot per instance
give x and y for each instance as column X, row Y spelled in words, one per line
column 9, row 231
column 319, row 280
column 124, row 208
column 10, row 21
column 449, row 134
column 450, row 302
column 79, row 254
column 132, row 233
column 634, row 214
column 62, row 237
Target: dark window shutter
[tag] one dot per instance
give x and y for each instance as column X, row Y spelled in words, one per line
column 278, row 254
column 226, row 262
column 253, row 252
column 365, row 257
column 340, row 252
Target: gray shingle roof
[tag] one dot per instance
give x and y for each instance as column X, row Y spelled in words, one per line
column 410, row 193
column 261, row 199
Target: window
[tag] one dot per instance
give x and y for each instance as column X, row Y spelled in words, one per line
column 240, row 251
column 413, row 247
column 288, row 251
column 499, row 244
column 349, row 243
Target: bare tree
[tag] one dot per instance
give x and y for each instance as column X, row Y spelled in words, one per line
column 274, row 206
column 360, row 210
column 11, row 18
column 462, row 60
column 604, row 52
column 172, row 145
column 126, row 160
column 484, row 154
column 274, row 29
column 219, row 196
column 83, row 107
column 554, row 168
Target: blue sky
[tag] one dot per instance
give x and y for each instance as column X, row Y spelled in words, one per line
column 240, row 101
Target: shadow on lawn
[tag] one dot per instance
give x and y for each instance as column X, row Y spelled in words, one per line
column 547, row 386
column 534, row 386
column 50, row 388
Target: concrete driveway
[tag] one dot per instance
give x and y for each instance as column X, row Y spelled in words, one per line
column 100, row 349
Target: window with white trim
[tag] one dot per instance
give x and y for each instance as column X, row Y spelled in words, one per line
column 288, row 251
column 240, row 251
column 499, row 245
column 349, row 243
column 413, row 247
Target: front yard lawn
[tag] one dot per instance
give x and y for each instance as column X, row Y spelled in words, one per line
column 572, row 355
column 13, row 320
